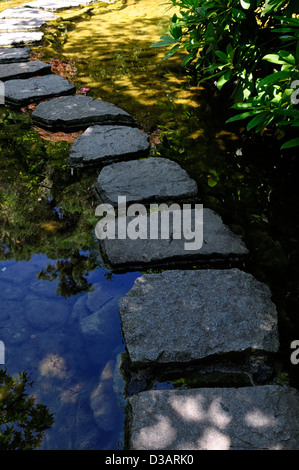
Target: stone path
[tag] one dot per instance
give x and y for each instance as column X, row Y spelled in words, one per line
column 176, row 318
column 149, row 180
column 21, row 24
column 31, row 90
column 213, row 312
column 219, row 244
column 105, row 144
column 23, row 70
column 14, row 54
column 19, row 38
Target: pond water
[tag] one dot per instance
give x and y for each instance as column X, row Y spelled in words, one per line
column 50, row 265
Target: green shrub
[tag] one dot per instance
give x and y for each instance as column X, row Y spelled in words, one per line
column 22, row 421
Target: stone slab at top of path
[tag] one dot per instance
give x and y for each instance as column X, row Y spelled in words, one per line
column 56, row 5
column 23, row 70
column 78, row 112
column 105, row 144
column 247, row 418
column 14, row 54
column 181, row 316
column 149, row 180
column 21, row 24
column 17, row 38
column 219, row 244
column 31, row 90
column 29, row 13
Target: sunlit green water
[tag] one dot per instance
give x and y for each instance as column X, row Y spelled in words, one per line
column 48, row 248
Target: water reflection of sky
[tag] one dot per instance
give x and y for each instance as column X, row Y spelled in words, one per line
column 70, row 347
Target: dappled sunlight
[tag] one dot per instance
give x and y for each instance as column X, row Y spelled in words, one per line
column 256, row 418
column 213, row 439
column 189, row 409
column 245, row 418
column 217, row 415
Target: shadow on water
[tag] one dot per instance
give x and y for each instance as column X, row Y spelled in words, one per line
column 57, row 299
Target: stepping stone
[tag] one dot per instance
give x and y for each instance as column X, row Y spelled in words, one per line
column 105, row 144
column 247, row 418
column 14, row 54
column 70, row 114
column 53, row 5
column 22, row 37
column 149, row 180
column 28, row 13
column 21, row 24
column 181, row 316
column 23, row 92
column 23, row 70
column 219, row 244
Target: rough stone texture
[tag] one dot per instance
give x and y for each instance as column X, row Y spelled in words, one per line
column 42, row 314
column 14, row 54
column 181, row 316
column 96, row 328
column 23, row 70
column 219, row 243
column 54, row 5
column 22, row 37
column 28, row 13
column 105, row 144
column 149, row 180
column 21, row 24
column 249, row 418
column 22, row 92
column 78, row 112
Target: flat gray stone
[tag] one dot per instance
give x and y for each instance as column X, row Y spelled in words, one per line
column 23, row 70
column 14, row 54
column 148, row 180
column 70, row 114
column 219, row 243
column 105, row 144
column 28, row 13
column 249, row 418
column 21, row 24
column 20, row 37
column 31, row 90
column 182, row 316
column 54, row 5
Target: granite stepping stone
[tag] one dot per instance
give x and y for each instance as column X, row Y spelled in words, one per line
column 105, row 144
column 246, row 418
column 181, row 316
column 31, row 90
column 14, row 54
column 29, row 13
column 20, row 37
column 220, row 244
column 70, row 114
column 21, row 24
column 148, row 180
column 54, row 5
column 23, row 70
